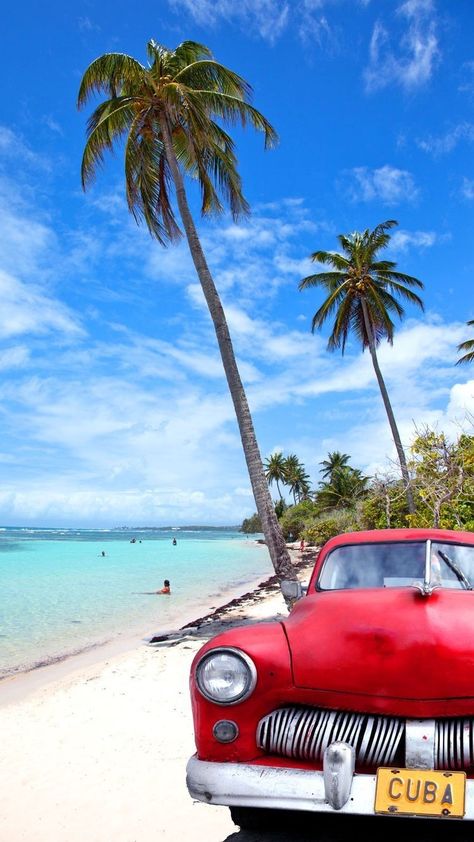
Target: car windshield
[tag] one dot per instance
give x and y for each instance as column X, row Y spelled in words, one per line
column 395, row 564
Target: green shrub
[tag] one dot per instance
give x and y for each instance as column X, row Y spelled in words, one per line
column 378, row 512
column 294, row 520
column 321, row 529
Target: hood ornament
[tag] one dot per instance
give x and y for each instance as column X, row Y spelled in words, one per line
column 432, row 579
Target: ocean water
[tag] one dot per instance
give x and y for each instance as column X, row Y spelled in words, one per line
column 59, row 595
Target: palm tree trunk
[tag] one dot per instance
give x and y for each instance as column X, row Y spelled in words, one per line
column 273, row 535
column 389, row 411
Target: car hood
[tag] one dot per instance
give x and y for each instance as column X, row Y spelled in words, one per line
column 392, row 643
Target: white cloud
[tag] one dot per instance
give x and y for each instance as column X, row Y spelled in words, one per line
column 438, row 146
column 12, row 146
column 467, row 188
column 85, row 24
column 14, row 357
column 461, row 402
column 403, row 240
column 412, row 60
column 467, row 85
column 386, row 184
column 53, row 125
column 267, row 18
column 26, row 309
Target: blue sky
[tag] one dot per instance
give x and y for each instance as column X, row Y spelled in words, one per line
column 114, row 407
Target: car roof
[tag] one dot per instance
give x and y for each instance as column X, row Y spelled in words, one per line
column 377, row 535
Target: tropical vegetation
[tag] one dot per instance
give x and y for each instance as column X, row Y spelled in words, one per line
column 363, row 294
column 289, row 471
column 251, row 525
column 169, row 114
column 346, row 500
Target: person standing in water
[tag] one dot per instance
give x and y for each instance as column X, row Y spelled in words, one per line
column 174, row 542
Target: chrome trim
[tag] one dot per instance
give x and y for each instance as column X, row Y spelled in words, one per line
column 338, row 773
column 243, row 657
column 281, row 788
column 305, row 733
column 454, row 744
column 421, row 743
column 427, row 581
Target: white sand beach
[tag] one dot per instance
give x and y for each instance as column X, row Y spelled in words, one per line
column 96, row 752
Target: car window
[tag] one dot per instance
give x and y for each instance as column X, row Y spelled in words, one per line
column 460, row 556
column 395, row 564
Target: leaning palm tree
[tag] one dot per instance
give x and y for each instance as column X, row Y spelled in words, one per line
column 362, row 296
column 275, row 470
column 468, row 346
column 169, row 114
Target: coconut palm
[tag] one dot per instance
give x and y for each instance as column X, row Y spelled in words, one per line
column 334, row 461
column 468, row 345
column 296, row 478
column 346, row 487
column 169, row 115
column 363, row 294
column 275, row 470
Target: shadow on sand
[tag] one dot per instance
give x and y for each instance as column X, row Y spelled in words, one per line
column 341, row 828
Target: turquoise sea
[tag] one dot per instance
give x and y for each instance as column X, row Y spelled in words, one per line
column 60, row 595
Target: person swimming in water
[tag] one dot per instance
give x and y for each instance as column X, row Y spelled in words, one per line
column 166, row 587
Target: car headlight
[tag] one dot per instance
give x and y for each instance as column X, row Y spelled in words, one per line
column 226, row 676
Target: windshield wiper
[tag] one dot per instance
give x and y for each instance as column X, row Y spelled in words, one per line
column 456, row 570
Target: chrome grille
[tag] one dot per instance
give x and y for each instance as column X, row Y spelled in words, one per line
column 304, row 733
column 454, row 743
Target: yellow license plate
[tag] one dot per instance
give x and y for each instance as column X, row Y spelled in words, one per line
column 420, row 792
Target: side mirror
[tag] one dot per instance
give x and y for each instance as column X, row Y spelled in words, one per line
column 291, row 589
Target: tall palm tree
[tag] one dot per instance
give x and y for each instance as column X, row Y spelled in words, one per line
column 362, row 296
column 275, row 470
column 296, row 478
column 334, row 461
column 468, row 345
column 168, row 113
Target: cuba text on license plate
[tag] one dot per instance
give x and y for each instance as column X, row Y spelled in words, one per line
column 420, row 792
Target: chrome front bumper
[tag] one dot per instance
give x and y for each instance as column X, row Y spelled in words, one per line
column 269, row 787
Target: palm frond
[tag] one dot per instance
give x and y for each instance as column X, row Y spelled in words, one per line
column 109, row 122
column 469, row 357
column 326, row 279
column 148, row 182
column 187, row 53
column 404, row 292
column 234, row 110
column 342, row 325
column 390, row 274
column 468, row 346
column 108, row 74
column 210, row 75
column 327, row 307
column 331, row 258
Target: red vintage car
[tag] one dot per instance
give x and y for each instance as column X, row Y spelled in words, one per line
column 360, row 702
